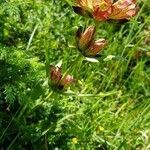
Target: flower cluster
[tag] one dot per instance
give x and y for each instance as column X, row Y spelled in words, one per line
column 102, row 10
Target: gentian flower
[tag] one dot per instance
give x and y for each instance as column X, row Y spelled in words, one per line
column 86, row 43
column 58, row 79
column 102, row 10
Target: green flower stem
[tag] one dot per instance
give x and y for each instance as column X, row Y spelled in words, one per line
column 47, row 62
column 97, row 25
column 75, row 63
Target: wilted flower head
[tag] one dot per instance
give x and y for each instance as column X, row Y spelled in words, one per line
column 58, row 79
column 96, row 47
column 86, row 44
column 102, row 10
column 85, row 38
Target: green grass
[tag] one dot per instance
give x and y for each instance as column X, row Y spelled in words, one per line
column 108, row 105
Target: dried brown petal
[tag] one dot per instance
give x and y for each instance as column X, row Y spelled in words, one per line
column 55, row 74
column 96, row 47
column 67, row 80
column 86, row 38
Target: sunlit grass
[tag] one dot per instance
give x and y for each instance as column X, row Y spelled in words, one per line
column 108, row 105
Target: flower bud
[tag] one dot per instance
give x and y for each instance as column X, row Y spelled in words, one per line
column 85, row 38
column 55, row 74
column 96, row 47
column 57, row 78
column 67, row 80
column 86, row 44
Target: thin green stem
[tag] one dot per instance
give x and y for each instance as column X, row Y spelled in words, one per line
column 31, row 37
column 97, row 25
column 47, row 62
column 74, row 64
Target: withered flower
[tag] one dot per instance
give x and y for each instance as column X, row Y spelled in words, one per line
column 84, row 39
column 58, row 79
column 102, row 10
column 124, row 9
column 96, row 47
column 86, row 43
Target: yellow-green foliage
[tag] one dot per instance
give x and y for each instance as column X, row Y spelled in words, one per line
column 108, row 105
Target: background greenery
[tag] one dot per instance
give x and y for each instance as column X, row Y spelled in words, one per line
column 107, row 108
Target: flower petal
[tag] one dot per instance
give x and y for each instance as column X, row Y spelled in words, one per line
column 92, row 60
column 123, row 9
column 96, row 47
column 86, row 38
column 84, row 3
column 102, row 10
column 67, row 80
column 55, row 74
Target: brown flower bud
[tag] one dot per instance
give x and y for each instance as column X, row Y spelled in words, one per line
column 55, row 74
column 67, row 80
column 96, row 47
column 57, row 78
column 86, row 38
column 86, row 44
